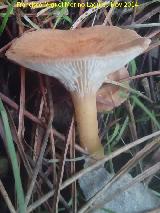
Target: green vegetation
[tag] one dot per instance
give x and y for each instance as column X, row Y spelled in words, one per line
column 13, row 157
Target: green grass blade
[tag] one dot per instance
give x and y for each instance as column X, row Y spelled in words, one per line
column 61, row 15
column 109, row 148
column 35, row 26
column 123, row 85
column 110, row 161
column 67, row 18
column 5, row 19
column 132, row 68
column 115, row 133
column 146, row 110
column 13, row 157
column 124, row 126
column 108, row 210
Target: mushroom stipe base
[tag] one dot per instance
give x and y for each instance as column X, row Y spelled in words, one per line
column 87, row 124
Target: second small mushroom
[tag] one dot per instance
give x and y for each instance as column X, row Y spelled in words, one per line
column 80, row 59
column 110, row 96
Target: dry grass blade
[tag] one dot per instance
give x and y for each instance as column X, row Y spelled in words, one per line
column 146, row 150
column 85, row 15
column 54, row 156
column 35, row 119
column 142, row 25
column 4, row 48
column 88, row 169
column 107, row 158
column 153, row 211
column 129, row 89
column 109, row 15
column 73, row 169
column 132, row 123
column 13, row 158
column 16, row 107
column 61, row 171
column 45, row 179
column 19, row 146
column 148, row 15
column 65, row 204
column 26, row 161
column 153, row 45
column 6, row 198
column 148, row 74
column 38, row 133
column 50, row 159
column 45, row 141
column 22, row 105
column 149, row 172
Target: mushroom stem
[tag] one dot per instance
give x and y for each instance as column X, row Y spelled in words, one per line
column 86, row 117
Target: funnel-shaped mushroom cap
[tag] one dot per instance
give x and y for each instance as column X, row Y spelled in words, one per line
column 80, row 58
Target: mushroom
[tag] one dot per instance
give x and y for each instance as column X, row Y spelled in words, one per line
column 110, row 96
column 80, row 59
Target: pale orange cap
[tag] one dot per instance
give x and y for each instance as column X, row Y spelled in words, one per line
column 79, row 58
